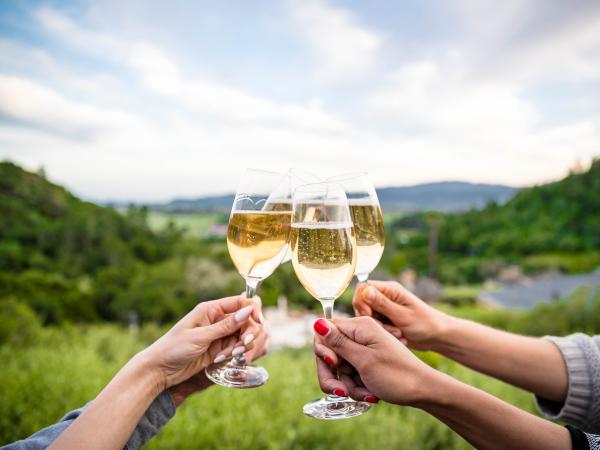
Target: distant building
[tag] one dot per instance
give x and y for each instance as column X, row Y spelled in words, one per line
column 542, row 290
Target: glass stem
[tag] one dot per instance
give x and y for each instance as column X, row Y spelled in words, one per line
column 251, row 285
column 328, row 310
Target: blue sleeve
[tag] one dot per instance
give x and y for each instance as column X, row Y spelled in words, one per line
column 46, row 436
column 156, row 416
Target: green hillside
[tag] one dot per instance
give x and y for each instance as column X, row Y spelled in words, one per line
column 66, row 260
column 555, row 225
column 45, row 227
column 562, row 217
column 60, row 255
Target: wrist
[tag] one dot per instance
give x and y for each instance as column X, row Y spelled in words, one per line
column 445, row 329
column 436, row 390
column 148, row 372
column 177, row 395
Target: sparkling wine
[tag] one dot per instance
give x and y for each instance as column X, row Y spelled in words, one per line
column 281, row 205
column 257, row 241
column 324, row 257
column 278, row 205
column 370, row 235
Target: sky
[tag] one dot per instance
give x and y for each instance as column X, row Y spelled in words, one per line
column 147, row 100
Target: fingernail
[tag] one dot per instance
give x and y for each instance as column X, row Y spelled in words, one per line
column 243, row 314
column 370, row 294
column 340, row 392
column 249, row 338
column 261, row 318
column 238, row 350
column 371, row 399
column 328, row 360
column 219, row 359
column 322, row 327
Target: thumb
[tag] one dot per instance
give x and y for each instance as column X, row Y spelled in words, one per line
column 360, row 307
column 230, row 324
column 380, row 303
column 337, row 341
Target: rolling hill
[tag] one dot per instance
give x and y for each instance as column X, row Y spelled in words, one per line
column 446, row 196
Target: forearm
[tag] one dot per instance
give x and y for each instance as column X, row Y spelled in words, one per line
column 126, row 397
column 487, row 422
column 533, row 364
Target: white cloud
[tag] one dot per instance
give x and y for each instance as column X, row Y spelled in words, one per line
column 157, row 71
column 104, row 153
column 77, row 36
column 34, row 104
column 345, row 48
column 533, row 40
column 484, row 128
column 161, row 75
column 138, row 123
column 434, row 99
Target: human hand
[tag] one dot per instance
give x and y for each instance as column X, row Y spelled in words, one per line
column 211, row 329
column 199, row 382
column 336, row 376
column 375, row 364
column 422, row 326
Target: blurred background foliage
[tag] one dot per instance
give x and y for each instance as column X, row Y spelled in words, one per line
column 70, row 260
column 72, row 273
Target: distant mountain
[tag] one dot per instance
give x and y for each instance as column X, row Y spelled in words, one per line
column 446, row 196
column 563, row 216
column 219, row 203
column 544, row 227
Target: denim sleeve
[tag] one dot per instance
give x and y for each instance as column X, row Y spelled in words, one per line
column 46, row 436
column 156, row 416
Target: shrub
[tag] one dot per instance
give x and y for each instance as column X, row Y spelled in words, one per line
column 19, row 324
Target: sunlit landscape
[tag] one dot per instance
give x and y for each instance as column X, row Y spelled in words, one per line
column 124, row 134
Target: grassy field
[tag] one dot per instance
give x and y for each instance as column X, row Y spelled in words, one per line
column 66, row 369
column 195, row 225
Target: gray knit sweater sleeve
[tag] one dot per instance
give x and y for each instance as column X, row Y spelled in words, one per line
column 581, row 408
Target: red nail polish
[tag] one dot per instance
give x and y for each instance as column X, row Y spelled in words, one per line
column 340, row 392
column 371, row 399
column 322, row 327
column 328, row 360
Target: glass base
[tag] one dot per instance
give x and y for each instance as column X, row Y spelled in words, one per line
column 333, row 407
column 231, row 375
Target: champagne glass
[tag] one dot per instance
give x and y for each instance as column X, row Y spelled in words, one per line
column 367, row 219
column 297, row 177
column 324, row 257
column 257, row 239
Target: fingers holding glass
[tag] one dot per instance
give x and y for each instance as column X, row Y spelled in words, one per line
column 323, row 246
column 257, row 240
